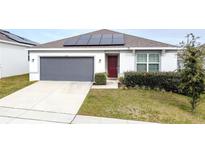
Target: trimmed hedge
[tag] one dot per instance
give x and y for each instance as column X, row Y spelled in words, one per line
column 169, row 81
column 100, row 78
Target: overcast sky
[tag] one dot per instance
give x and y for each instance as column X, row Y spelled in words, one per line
column 172, row 36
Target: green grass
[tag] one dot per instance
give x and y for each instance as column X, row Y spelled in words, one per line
column 142, row 105
column 12, row 84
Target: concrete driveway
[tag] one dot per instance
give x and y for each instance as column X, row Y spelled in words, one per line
column 44, row 101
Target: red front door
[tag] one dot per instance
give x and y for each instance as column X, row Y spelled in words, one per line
column 112, row 66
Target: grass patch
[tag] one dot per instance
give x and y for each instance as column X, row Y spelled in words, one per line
column 12, row 84
column 143, row 105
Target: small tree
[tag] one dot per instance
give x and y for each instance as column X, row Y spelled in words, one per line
column 192, row 73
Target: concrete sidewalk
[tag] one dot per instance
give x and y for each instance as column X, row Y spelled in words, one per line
column 80, row 119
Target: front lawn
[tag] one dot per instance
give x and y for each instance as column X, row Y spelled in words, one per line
column 142, row 105
column 12, row 84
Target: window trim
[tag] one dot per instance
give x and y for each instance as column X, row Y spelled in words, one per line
column 147, row 63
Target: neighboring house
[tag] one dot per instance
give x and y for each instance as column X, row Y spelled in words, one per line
column 13, row 54
column 79, row 58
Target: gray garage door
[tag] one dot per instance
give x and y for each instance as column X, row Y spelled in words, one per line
column 67, row 68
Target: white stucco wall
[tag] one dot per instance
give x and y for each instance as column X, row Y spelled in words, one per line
column 13, row 60
column 127, row 60
column 34, row 64
column 169, row 61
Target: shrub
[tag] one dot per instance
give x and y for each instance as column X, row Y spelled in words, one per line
column 100, row 78
column 169, row 81
column 121, row 80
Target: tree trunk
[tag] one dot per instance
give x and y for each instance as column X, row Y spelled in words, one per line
column 193, row 104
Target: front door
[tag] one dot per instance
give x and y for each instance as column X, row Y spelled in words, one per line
column 112, row 66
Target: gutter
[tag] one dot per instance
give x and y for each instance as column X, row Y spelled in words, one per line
column 155, row 48
column 14, row 43
column 111, row 49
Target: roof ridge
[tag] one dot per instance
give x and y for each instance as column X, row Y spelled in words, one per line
column 104, row 31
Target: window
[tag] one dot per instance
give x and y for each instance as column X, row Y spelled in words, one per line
column 142, row 58
column 153, row 58
column 142, row 62
column 141, row 67
column 153, row 67
column 148, row 62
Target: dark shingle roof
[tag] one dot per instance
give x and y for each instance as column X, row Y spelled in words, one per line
column 7, row 36
column 130, row 41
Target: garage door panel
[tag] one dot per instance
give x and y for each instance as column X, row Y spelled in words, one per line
column 67, row 68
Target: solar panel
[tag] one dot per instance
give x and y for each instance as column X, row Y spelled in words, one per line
column 94, row 42
column 95, row 39
column 83, row 40
column 106, row 39
column 70, row 42
column 107, row 36
column 17, row 38
column 106, row 42
column 85, row 36
column 96, row 36
column 118, row 39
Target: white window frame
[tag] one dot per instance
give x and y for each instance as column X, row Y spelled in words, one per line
column 147, row 63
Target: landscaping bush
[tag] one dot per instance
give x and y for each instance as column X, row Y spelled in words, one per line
column 100, row 78
column 168, row 81
column 121, row 80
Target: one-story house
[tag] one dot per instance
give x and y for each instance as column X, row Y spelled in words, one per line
column 13, row 54
column 78, row 58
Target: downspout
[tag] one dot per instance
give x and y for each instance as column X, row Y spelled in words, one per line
column 134, row 54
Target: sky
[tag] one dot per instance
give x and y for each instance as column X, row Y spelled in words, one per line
column 172, row 36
